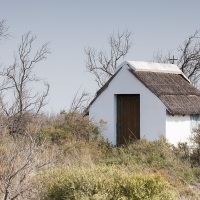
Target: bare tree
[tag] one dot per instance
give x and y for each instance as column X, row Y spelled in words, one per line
column 161, row 58
column 103, row 64
column 188, row 58
column 3, row 29
column 18, row 102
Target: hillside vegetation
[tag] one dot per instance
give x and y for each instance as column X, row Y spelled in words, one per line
column 64, row 157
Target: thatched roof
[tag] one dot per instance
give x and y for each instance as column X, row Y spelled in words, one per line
column 177, row 94
column 167, row 82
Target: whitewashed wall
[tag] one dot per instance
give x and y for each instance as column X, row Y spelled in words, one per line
column 152, row 110
column 178, row 128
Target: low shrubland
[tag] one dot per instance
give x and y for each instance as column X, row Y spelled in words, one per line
column 66, row 158
column 102, row 182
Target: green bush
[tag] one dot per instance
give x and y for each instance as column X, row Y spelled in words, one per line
column 157, row 155
column 72, row 126
column 191, row 151
column 195, row 153
column 101, row 182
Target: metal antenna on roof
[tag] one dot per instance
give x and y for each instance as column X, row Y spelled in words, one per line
column 172, row 59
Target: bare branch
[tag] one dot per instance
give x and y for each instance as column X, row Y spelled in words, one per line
column 188, row 58
column 21, row 101
column 79, row 102
column 161, row 58
column 20, row 158
column 3, row 30
column 103, row 64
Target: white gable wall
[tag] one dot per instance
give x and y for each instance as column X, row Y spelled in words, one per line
column 152, row 110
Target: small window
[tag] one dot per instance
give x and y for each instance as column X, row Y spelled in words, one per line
column 194, row 122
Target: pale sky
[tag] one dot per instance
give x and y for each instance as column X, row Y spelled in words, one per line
column 70, row 26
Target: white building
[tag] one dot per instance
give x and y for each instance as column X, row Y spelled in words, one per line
column 144, row 99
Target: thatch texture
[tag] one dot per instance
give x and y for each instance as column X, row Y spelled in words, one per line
column 182, row 104
column 178, row 95
column 174, row 90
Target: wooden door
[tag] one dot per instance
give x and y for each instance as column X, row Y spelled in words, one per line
column 128, row 118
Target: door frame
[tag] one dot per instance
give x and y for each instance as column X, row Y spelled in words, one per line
column 116, row 115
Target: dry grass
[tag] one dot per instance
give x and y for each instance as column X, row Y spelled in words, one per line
column 81, row 152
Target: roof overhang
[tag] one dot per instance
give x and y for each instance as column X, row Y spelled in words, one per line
column 136, row 67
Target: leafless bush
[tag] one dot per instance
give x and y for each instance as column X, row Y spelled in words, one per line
column 79, row 102
column 20, row 159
